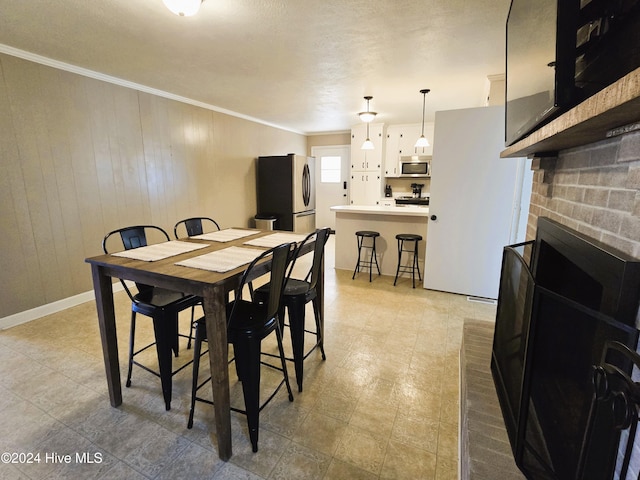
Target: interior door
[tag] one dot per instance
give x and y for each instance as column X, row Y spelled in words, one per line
column 471, row 205
column 332, row 173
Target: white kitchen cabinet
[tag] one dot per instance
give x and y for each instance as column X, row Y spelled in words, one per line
column 366, row 165
column 366, row 188
column 392, row 151
column 410, row 134
column 367, row 160
column 401, row 140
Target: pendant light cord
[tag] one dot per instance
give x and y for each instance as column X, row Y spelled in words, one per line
column 424, row 103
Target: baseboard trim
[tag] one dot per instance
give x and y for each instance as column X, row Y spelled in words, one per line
column 53, row 307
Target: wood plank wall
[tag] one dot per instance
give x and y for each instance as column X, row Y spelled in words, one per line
column 80, row 157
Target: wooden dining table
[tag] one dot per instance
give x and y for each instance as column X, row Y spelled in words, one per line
column 212, row 287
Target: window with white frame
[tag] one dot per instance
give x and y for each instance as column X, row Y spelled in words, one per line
column 330, row 168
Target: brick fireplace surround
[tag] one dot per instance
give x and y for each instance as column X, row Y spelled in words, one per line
column 594, row 189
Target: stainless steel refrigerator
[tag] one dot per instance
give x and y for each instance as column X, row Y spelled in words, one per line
column 286, row 189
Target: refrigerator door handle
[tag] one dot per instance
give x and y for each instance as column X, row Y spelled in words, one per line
column 304, row 214
column 306, row 185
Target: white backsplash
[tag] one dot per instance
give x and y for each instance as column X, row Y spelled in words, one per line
column 402, row 186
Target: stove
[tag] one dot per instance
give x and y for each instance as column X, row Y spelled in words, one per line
column 409, row 200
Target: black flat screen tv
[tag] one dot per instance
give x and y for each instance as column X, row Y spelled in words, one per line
column 540, row 63
column 561, row 52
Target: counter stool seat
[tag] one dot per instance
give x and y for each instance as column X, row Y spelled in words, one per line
column 362, row 263
column 408, row 237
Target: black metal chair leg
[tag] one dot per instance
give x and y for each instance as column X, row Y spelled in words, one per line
column 319, row 327
column 296, row 326
column 283, row 362
column 197, row 347
column 132, row 336
column 400, row 244
column 164, row 339
column 373, row 254
column 191, row 327
column 250, row 350
column 417, row 262
column 375, row 258
column 174, row 337
column 413, row 267
column 357, row 269
column 416, row 266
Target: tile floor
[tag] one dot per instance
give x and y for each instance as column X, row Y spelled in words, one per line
column 384, row 405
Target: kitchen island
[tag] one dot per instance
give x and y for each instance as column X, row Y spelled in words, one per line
column 389, row 221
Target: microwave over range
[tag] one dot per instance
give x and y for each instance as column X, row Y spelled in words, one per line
column 415, row 166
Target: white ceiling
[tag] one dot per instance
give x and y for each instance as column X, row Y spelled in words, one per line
column 303, row 65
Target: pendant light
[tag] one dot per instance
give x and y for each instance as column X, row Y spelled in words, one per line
column 368, row 118
column 422, row 141
column 368, row 144
column 184, row 8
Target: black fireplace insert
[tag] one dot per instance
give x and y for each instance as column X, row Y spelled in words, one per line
column 561, row 299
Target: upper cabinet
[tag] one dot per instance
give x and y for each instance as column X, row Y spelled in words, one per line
column 429, row 128
column 391, row 164
column 366, row 165
column 367, row 160
column 401, row 140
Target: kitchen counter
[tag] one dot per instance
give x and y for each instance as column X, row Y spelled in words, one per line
column 409, row 210
column 388, row 221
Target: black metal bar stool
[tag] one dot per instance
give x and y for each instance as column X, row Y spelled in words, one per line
column 360, row 236
column 408, row 237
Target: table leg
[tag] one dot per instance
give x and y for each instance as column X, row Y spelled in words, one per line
column 216, row 318
column 107, row 322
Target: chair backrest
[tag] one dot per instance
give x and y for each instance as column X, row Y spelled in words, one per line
column 134, row 237
column 321, row 236
column 194, row 225
column 282, row 255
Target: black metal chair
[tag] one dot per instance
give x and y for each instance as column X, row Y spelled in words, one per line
column 296, row 294
column 362, row 263
column 248, row 323
column 408, row 237
column 163, row 306
column 195, row 226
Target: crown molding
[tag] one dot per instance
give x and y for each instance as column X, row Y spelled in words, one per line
column 32, row 57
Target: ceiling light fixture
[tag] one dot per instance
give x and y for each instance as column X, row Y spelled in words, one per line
column 184, row 8
column 368, row 144
column 422, row 141
column 367, row 117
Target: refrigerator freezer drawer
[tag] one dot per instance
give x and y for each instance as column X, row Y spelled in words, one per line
column 304, row 222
